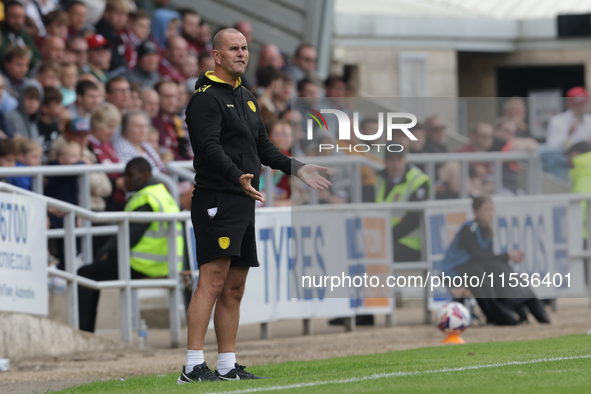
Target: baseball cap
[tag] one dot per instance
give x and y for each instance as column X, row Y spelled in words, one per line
column 146, row 48
column 80, row 125
column 97, row 41
column 577, row 94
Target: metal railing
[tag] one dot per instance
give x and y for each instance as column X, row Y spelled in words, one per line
column 83, row 173
column 353, row 163
column 124, row 283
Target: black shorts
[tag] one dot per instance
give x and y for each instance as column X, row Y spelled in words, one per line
column 228, row 232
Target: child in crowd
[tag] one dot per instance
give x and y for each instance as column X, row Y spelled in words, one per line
column 138, row 32
column 51, row 110
column 7, row 155
column 166, row 154
column 56, row 23
column 48, row 75
column 68, row 79
column 29, row 154
column 23, row 119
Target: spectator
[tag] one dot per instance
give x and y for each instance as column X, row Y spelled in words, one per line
column 204, row 44
column 146, row 71
column 173, row 132
column 93, row 79
column 36, row 9
column 118, row 92
column 77, row 14
column 270, row 55
column 436, row 136
column 135, row 98
column 190, row 68
column 269, row 79
column 283, row 97
column 76, row 130
column 308, row 89
column 280, row 135
column 104, row 122
column 78, row 46
column 481, row 140
column 172, row 62
column 245, row 28
column 165, row 154
column 8, row 154
column 24, row 118
column 573, row 125
column 13, row 34
column 68, row 79
column 165, row 25
column 514, row 109
column 150, row 102
column 6, row 131
column 48, row 74
column 304, row 63
column 16, row 66
column 151, row 6
column 190, row 28
column 99, row 58
column 421, row 135
column 51, row 110
column 133, row 141
column 113, row 21
column 56, row 23
column 295, row 120
column 87, row 100
column 448, row 174
column 336, row 88
column 138, row 33
column 29, row 154
column 53, row 49
column 205, row 63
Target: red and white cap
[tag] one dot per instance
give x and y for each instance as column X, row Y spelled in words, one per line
column 97, row 41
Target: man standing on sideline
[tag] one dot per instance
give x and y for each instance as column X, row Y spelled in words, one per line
column 230, row 143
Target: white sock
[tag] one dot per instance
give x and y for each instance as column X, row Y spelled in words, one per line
column 194, row 357
column 226, row 362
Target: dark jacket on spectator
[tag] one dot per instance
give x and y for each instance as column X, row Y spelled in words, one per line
column 146, row 80
column 63, row 188
column 173, row 136
column 118, row 63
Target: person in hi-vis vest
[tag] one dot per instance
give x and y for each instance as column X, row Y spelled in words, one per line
column 402, row 182
column 148, row 241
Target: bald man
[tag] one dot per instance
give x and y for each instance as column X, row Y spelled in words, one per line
column 172, row 62
column 230, row 143
column 271, row 56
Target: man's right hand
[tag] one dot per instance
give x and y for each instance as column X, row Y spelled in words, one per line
column 248, row 189
column 516, row 256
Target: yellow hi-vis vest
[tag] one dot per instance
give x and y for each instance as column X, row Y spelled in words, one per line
column 415, row 178
column 150, row 255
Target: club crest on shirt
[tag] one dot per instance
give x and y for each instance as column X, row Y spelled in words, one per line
column 252, row 107
column 224, row 242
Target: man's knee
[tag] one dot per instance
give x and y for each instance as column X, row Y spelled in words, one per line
column 234, row 291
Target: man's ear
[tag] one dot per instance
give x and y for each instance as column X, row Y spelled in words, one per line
column 216, row 56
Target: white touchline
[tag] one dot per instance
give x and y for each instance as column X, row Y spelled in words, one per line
column 394, row 374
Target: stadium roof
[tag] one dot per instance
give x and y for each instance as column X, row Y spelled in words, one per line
column 499, row 9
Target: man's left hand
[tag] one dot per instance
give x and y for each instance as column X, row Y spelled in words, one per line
column 310, row 176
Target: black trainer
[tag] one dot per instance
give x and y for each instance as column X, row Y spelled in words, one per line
column 200, row 373
column 238, row 373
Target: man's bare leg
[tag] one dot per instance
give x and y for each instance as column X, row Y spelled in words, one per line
column 212, row 277
column 227, row 311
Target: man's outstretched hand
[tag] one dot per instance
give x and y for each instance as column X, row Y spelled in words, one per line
column 310, row 176
column 249, row 190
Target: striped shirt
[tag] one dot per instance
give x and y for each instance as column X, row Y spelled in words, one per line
column 126, row 151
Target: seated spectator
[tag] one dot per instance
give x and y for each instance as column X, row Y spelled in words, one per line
column 308, row 89
column 35, row 10
column 53, row 49
column 56, row 24
column 139, row 32
column 77, row 17
column 68, row 79
column 8, row 154
column 133, row 141
column 205, row 63
column 335, row 92
column 114, row 20
column 418, row 146
column 146, row 70
column 245, row 28
column 204, row 44
column 436, row 136
column 48, row 75
column 270, row 55
column 135, row 98
column 448, row 173
column 15, row 69
column 573, row 125
column 150, row 102
column 295, row 120
column 24, row 118
column 29, row 154
column 304, row 63
column 515, row 110
column 6, row 130
column 481, row 140
column 87, row 99
column 173, row 132
column 165, row 26
column 283, row 97
column 99, row 58
column 103, row 123
column 153, row 139
column 79, row 47
column 190, row 66
column 76, row 130
column 13, row 33
column 147, row 251
column 118, row 92
column 280, row 135
column 51, row 110
column 269, row 80
column 172, row 62
column 190, row 29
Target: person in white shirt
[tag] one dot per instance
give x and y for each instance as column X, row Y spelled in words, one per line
column 573, row 125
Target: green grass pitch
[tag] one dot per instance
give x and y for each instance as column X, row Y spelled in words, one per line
column 555, row 365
